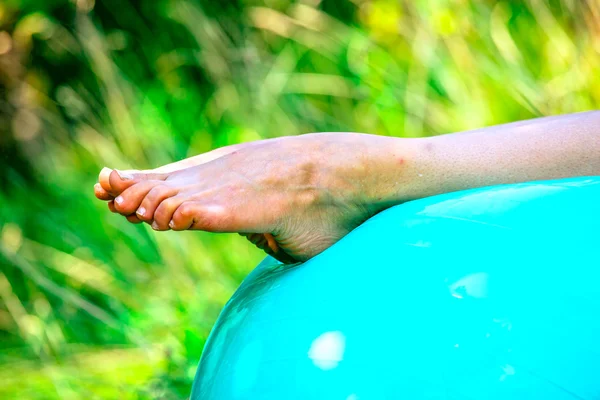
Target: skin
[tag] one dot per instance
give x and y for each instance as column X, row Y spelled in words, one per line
column 296, row 196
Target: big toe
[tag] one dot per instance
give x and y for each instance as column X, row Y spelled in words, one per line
column 103, row 179
column 113, row 181
column 116, row 181
column 120, row 180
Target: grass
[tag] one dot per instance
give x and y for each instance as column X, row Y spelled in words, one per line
column 93, row 307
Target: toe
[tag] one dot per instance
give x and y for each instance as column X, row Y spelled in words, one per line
column 164, row 213
column 185, row 216
column 129, row 201
column 197, row 216
column 155, row 196
column 272, row 243
column 133, row 219
column 115, row 181
column 118, row 182
column 103, row 179
column 101, row 194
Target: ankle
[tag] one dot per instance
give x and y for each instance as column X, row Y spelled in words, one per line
column 395, row 171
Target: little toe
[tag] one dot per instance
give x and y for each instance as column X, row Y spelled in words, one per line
column 197, row 216
column 185, row 216
column 164, row 213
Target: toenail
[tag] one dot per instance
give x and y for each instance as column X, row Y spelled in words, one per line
column 105, row 171
column 154, row 225
column 123, row 175
column 141, row 212
column 119, row 200
column 172, row 224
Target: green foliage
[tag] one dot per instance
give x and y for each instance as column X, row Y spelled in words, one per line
column 94, row 307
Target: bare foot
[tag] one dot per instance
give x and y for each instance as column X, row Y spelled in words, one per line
column 307, row 192
column 104, row 191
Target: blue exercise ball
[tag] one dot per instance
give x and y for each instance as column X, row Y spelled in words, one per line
column 491, row 293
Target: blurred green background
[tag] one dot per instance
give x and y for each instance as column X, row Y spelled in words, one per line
column 94, row 307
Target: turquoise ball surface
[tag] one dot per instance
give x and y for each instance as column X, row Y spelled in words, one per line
column 492, row 293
